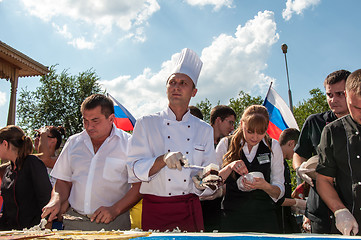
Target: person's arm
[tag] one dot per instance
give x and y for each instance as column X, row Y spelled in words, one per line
column 297, row 161
column 59, row 195
column 108, row 214
column 238, row 166
column 327, row 191
column 260, row 183
column 157, row 166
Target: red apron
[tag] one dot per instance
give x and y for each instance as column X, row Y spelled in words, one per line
column 168, row 213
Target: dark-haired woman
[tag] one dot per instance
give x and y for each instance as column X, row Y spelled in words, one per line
column 25, row 186
column 47, row 141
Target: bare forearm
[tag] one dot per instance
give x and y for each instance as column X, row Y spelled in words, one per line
column 61, row 190
column 326, row 190
column 157, row 166
column 129, row 200
column 272, row 191
column 297, row 161
column 225, row 172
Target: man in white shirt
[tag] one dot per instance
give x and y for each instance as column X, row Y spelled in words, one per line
column 160, row 142
column 92, row 174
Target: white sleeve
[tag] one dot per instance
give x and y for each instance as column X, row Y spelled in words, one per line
column 140, row 159
column 277, row 169
column 221, row 149
column 62, row 168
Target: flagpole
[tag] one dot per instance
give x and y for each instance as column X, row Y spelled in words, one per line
column 284, row 50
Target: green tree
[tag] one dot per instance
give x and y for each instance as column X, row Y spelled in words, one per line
column 242, row 102
column 57, row 101
column 317, row 103
column 205, row 107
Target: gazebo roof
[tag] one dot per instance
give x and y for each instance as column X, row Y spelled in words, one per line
column 11, row 58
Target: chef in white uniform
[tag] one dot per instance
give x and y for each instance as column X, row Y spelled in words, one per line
column 159, row 142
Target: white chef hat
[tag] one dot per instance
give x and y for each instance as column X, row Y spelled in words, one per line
column 188, row 63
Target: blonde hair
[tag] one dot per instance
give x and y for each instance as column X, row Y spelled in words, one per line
column 256, row 119
column 15, row 136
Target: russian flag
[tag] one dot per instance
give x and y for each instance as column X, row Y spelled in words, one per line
column 281, row 116
column 123, row 118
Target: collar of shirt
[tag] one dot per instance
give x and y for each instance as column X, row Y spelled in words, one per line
column 169, row 114
column 250, row 155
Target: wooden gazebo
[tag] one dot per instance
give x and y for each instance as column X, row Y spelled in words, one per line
column 14, row 64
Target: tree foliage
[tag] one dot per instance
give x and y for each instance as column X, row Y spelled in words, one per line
column 317, row 103
column 205, row 107
column 242, row 102
column 57, row 101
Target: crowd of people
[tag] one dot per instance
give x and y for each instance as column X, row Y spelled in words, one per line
column 187, row 174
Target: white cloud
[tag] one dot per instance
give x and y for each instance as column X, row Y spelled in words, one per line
column 81, row 43
column 231, row 64
column 297, row 6
column 218, row 4
column 100, row 17
column 2, row 96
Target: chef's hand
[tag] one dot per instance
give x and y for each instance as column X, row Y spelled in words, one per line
column 301, row 172
column 104, row 215
column 173, row 160
column 197, row 179
column 219, row 193
column 345, row 222
column 52, row 208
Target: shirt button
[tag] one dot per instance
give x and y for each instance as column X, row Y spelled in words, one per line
column 169, row 194
column 168, row 136
column 356, row 133
column 188, row 139
column 187, row 152
column 185, row 180
column 169, row 179
column 168, row 150
column 183, row 193
column 358, row 156
column 189, row 126
column 168, row 124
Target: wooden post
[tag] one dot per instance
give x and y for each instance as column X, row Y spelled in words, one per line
column 12, row 106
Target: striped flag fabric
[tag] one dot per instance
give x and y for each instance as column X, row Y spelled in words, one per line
column 281, row 116
column 123, row 118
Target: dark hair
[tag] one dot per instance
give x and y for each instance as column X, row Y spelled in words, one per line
column 336, row 76
column 289, row 134
column 95, row 100
column 353, row 82
column 221, row 111
column 15, row 136
column 196, row 112
column 58, row 133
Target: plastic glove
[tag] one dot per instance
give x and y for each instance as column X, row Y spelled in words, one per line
column 345, row 222
column 198, row 181
column 240, row 182
column 217, row 194
column 173, row 160
column 301, row 172
column 299, row 207
column 300, row 204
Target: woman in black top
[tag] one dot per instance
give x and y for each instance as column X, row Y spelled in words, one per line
column 25, row 186
column 249, row 204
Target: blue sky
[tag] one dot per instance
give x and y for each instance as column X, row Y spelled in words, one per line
column 131, row 44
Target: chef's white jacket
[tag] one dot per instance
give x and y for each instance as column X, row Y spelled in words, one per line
column 157, row 134
column 98, row 179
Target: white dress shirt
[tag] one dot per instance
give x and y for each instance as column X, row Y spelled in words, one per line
column 277, row 168
column 98, row 179
column 157, row 134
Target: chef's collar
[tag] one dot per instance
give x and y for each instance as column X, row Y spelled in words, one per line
column 171, row 116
